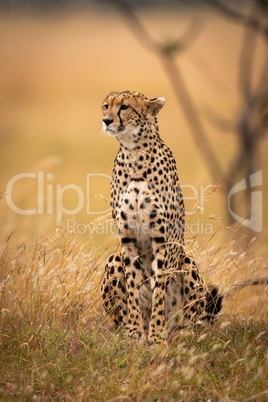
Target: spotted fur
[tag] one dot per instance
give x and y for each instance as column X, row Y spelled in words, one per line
column 152, row 286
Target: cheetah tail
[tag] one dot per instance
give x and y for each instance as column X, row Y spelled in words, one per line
column 214, row 302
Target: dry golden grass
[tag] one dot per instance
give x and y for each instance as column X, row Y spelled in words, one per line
column 57, row 343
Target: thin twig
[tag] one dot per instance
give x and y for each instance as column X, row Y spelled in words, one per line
column 166, row 56
column 243, row 19
column 240, row 285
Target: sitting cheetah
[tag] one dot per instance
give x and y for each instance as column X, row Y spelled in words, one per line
column 152, row 286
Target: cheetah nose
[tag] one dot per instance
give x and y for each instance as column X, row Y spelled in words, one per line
column 107, row 121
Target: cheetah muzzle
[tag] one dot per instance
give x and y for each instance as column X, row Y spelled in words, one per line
column 152, row 286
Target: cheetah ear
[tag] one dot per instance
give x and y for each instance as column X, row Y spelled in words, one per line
column 155, row 105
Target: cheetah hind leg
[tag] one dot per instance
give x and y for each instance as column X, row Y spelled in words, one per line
column 199, row 302
column 113, row 289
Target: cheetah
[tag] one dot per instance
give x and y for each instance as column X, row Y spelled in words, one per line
column 152, row 286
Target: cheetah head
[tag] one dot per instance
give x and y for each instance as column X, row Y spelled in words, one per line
column 126, row 115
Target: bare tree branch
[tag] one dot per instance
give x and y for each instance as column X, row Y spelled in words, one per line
column 249, row 21
column 248, row 49
column 166, row 55
column 240, row 285
column 252, row 119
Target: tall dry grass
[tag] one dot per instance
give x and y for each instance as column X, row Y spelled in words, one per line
column 56, row 341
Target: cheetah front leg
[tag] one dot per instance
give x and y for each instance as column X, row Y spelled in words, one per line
column 113, row 289
column 159, row 283
column 134, row 279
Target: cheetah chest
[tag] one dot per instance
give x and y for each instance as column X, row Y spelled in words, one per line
column 136, row 211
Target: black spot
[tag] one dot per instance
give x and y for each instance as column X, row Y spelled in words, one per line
column 187, row 260
column 127, row 261
column 123, row 215
column 159, row 263
column 153, row 214
column 117, row 258
column 112, row 270
column 125, row 240
column 120, row 269
column 158, row 322
column 194, row 275
column 147, row 199
column 151, row 225
column 111, row 258
column 137, row 264
column 159, row 239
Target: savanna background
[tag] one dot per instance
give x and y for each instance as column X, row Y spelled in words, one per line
column 58, row 62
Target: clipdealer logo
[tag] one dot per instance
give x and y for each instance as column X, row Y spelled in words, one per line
column 49, row 197
column 49, row 201
column 254, row 222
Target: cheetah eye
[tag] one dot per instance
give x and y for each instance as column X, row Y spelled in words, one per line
column 105, row 106
column 124, row 107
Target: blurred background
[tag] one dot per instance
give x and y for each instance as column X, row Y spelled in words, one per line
column 59, row 59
